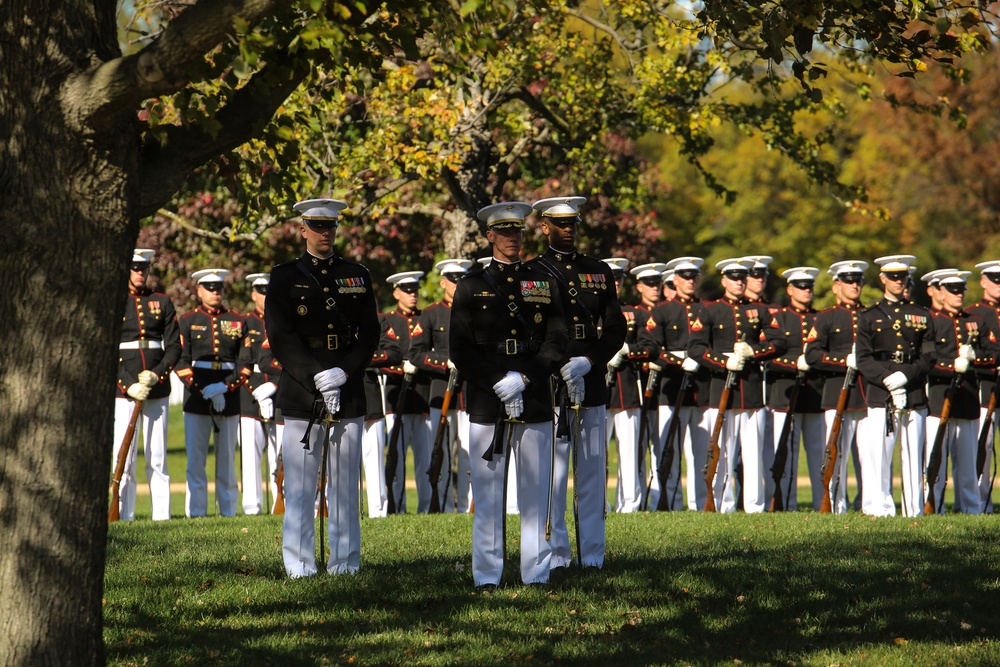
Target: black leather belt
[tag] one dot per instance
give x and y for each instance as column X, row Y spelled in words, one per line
column 898, row 357
column 582, row 332
column 510, row 347
column 330, row 342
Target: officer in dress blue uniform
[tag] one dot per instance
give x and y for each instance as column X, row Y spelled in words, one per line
column 323, row 327
column 988, row 310
column 668, row 327
column 388, row 353
column 893, row 363
column 429, row 353
column 733, row 335
column 507, row 337
column 830, row 348
column 150, row 347
column 211, row 337
column 596, row 330
column 258, row 427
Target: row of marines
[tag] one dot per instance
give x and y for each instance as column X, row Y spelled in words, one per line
column 552, row 365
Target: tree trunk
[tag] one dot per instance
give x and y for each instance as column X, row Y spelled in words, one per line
column 67, row 235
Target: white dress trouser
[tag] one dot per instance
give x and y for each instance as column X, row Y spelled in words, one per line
column 588, row 487
column 960, row 444
column 302, row 469
column 459, row 496
column 630, row 488
column 743, row 432
column 693, row 434
column 152, row 423
column 373, row 462
column 850, row 427
column 876, row 450
column 415, row 432
column 197, row 431
column 255, row 435
column 532, row 447
column 987, row 477
column 810, row 428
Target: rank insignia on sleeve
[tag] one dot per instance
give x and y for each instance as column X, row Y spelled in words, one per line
column 812, row 335
column 417, row 330
column 697, row 325
column 650, row 324
column 246, row 342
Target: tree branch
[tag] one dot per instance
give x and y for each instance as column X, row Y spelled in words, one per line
column 265, row 223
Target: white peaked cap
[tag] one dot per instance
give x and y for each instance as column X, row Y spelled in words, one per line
column 668, row 275
column 652, row 270
column 934, row 277
column 505, row 215
column 992, row 266
column 446, row 266
column 759, row 261
column 617, row 264
column 485, row 261
column 891, row 263
column 847, row 266
column 143, row 255
column 734, row 264
column 405, row 277
column 685, row 264
column 259, row 279
column 953, row 276
column 800, row 273
column 560, row 207
column 320, row 209
column 210, row 275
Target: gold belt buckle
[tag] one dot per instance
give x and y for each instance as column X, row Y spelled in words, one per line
column 332, row 342
column 579, row 331
column 216, row 365
column 510, row 346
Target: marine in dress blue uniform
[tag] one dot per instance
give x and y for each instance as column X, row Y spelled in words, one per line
column 211, row 337
column 507, row 337
column 150, row 347
column 988, row 310
column 596, row 329
column 323, row 327
column 388, row 353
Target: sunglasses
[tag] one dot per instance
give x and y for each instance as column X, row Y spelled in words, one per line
column 140, row 267
column 688, row 274
column 651, row 282
column 851, row 278
column 321, row 225
column 955, row 288
column 736, row 275
column 758, row 273
column 212, row 287
column 993, row 278
column 897, row 276
column 803, row 284
column 260, row 289
column 451, row 277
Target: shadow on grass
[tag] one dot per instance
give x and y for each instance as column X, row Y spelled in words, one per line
column 689, row 590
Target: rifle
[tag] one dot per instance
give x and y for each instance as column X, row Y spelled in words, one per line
column 437, row 455
column 986, row 432
column 832, row 442
column 667, row 456
column 781, row 451
column 279, row 482
column 713, row 445
column 934, row 461
column 392, row 456
column 647, row 401
column 123, row 452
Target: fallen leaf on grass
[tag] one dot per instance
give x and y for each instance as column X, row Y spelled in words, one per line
column 899, row 641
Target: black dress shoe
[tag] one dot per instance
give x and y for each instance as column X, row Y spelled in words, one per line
column 486, row 588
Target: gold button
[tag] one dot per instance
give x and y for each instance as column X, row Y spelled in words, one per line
column 511, row 297
column 326, row 289
column 329, row 326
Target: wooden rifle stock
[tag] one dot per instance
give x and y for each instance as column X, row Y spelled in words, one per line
column 934, row 461
column 647, row 401
column 986, row 432
column 782, row 450
column 833, row 440
column 279, row 481
column 713, row 444
column 114, row 512
column 437, row 455
column 392, row 456
column 667, row 457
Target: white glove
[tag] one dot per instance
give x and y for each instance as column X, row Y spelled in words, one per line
column 742, row 349
column 451, row 365
column 266, row 406
column 576, row 367
column 898, row 398
column 689, row 365
column 408, row 367
column 149, row 378
column 965, row 351
column 509, row 386
column 514, row 407
column 576, row 391
column 852, row 361
column 331, row 378
column 213, row 390
column 655, row 367
column 961, row 365
column 264, row 391
column 801, row 363
column 624, row 350
column 896, row 380
column 735, row 362
column 138, row 391
column 616, row 361
column 218, row 402
column 331, row 397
